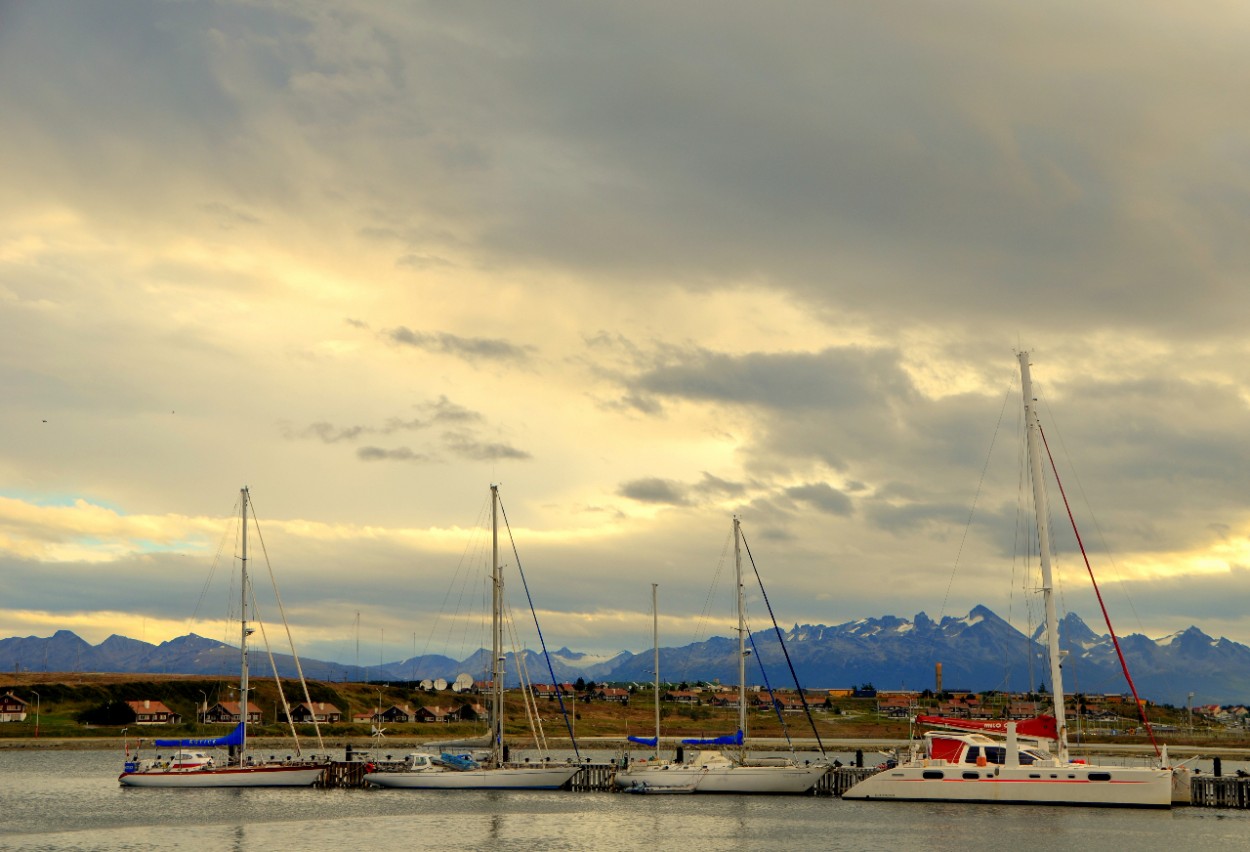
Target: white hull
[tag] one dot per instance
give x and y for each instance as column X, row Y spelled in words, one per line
column 538, row 778
column 1073, row 784
column 663, row 778
column 760, row 779
column 245, row 776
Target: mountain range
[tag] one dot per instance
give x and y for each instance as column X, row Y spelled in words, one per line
column 979, row 651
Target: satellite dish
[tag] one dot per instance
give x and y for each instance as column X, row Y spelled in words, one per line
column 455, row 687
column 464, row 681
column 427, row 684
column 440, row 684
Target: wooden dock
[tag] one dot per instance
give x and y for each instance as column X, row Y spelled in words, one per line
column 1215, row 791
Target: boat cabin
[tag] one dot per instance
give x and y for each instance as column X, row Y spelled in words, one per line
column 979, row 750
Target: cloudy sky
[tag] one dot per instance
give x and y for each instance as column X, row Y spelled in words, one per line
column 646, row 265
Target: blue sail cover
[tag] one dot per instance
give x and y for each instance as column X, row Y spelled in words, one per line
column 647, row 741
column 728, row 739
column 233, row 738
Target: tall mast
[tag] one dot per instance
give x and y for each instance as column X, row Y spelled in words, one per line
column 742, row 634
column 1033, row 428
column 496, row 634
column 245, row 630
column 655, row 643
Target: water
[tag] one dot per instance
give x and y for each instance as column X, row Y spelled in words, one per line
column 70, row 800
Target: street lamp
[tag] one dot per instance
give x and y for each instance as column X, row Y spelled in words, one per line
column 204, row 706
column 38, row 704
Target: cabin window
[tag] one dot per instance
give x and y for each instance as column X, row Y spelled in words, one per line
column 1035, row 775
column 973, row 753
column 971, row 776
column 1100, row 776
column 934, row 775
column 996, row 754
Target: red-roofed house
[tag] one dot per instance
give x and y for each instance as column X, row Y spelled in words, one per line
column 228, row 711
column 148, row 712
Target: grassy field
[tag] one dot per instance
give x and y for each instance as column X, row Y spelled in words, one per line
column 62, row 697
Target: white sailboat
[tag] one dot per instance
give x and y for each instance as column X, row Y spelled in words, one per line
column 455, row 772
column 657, row 776
column 239, row 770
column 721, row 772
column 964, row 764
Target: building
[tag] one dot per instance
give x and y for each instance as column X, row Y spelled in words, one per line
column 12, row 708
column 149, row 712
column 613, row 694
column 432, row 714
column 228, row 711
column 318, row 711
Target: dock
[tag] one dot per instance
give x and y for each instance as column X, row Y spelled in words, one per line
column 1209, row 791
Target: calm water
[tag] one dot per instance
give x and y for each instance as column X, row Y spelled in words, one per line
column 71, row 800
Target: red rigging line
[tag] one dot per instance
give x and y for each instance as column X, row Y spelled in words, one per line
column 1141, row 710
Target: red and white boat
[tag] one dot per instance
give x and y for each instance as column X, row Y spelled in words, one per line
column 962, row 762
column 196, row 769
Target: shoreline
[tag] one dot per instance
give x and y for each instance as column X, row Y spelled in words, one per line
column 866, row 744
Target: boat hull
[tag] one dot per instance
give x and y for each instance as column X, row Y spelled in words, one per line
column 1075, row 784
column 241, row 776
column 780, row 780
column 508, row 778
column 666, row 778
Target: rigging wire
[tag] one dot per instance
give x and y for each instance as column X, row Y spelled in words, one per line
column 541, row 641
column 782, row 642
column 1107, row 618
column 286, row 625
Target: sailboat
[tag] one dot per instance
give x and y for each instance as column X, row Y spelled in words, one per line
column 722, row 772
column 657, row 777
column 239, row 769
column 458, row 772
column 1010, row 761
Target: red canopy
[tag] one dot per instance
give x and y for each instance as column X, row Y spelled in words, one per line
column 1041, row 727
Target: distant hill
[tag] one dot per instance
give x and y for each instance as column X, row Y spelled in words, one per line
column 979, row 651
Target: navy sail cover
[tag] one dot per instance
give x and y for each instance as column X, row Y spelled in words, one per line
column 234, row 738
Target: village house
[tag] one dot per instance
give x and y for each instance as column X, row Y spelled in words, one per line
column 681, row 696
column 549, row 691
column 228, row 711
column 12, row 708
column 471, row 712
column 318, row 711
column 148, row 712
column 432, row 713
column 394, row 714
column 613, row 694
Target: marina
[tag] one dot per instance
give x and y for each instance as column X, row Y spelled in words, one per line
column 68, row 800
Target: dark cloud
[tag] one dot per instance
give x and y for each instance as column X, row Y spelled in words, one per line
column 720, row 486
column 832, row 379
column 653, row 490
column 468, row 447
column 468, row 348
column 404, row 454
column 822, row 496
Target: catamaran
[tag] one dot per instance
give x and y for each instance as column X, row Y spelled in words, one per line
column 1010, row 761
column 239, row 770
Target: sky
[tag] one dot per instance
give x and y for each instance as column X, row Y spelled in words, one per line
column 647, row 266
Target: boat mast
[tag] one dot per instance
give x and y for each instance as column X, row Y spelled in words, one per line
column 496, row 634
column 1033, row 428
column 655, row 643
column 245, row 630
column 742, row 635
